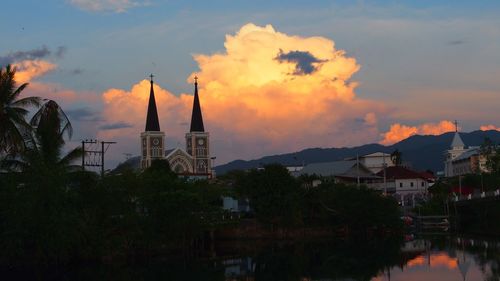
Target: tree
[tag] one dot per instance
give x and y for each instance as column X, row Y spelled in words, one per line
column 13, row 125
column 489, row 150
column 396, row 157
column 42, row 219
column 44, row 146
column 274, row 195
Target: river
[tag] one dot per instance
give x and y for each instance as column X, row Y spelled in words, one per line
column 412, row 258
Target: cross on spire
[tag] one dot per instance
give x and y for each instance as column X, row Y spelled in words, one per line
column 196, row 79
column 456, row 126
column 151, row 76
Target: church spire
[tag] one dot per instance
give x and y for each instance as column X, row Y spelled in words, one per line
column 196, row 117
column 152, row 123
column 457, row 142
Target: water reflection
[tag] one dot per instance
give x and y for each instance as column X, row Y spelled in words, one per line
column 452, row 262
column 428, row 258
column 418, row 258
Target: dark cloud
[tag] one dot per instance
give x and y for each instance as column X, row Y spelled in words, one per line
column 61, row 51
column 113, row 126
column 76, row 71
column 303, row 61
column 38, row 53
column 83, row 114
column 456, row 42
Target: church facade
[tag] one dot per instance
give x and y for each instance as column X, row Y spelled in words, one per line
column 194, row 161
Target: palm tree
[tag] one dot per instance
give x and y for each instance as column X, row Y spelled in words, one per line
column 42, row 157
column 45, row 201
column 50, row 124
column 13, row 125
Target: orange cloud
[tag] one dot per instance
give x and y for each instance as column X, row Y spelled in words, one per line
column 267, row 92
column 398, row 132
column 28, row 70
column 489, row 127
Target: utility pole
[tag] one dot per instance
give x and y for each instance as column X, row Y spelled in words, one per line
column 385, row 177
column 357, row 168
column 95, row 156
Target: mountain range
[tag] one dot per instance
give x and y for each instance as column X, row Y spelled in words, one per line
column 421, row 152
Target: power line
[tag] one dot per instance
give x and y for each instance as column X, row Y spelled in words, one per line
column 92, row 156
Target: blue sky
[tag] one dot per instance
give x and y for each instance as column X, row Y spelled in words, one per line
column 427, row 60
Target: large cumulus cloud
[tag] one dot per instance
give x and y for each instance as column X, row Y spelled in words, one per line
column 266, row 92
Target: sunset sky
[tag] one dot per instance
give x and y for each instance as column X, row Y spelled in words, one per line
column 274, row 77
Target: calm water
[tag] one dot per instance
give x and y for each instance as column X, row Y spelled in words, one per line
column 435, row 257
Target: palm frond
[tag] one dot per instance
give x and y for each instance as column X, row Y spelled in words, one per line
column 17, row 92
column 71, row 156
column 28, row 101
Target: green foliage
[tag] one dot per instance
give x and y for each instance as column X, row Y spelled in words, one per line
column 274, row 195
column 357, row 209
column 280, row 200
column 51, row 212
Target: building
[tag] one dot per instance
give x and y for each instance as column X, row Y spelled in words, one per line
column 194, row 161
column 468, row 162
column 404, row 184
column 346, row 171
column 461, row 160
column 457, row 148
column 375, row 161
column 403, row 181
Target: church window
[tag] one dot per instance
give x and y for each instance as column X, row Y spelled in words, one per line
column 411, row 184
column 400, row 184
column 201, row 151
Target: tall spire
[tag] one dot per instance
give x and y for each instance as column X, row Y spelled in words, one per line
column 196, row 117
column 457, row 142
column 152, row 123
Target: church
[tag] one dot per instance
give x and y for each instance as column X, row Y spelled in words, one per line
column 194, row 161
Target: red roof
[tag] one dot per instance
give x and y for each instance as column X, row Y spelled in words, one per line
column 466, row 190
column 398, row 172
column 428, row 175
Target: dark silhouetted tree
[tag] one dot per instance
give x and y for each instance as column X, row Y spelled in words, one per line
column 13, row 111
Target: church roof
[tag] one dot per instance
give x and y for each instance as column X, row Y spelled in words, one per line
column 152, row 123
column 196, row 117
column 467, row 154
column 457, row 141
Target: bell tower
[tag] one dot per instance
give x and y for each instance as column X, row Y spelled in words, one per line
column 197, row 140
column 152, row 139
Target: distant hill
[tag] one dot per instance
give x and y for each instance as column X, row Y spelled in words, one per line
column 423, row 152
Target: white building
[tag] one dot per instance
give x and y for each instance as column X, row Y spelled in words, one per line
column 404, row 184
column 461, row 160
column 457, row 148
column 375, row 162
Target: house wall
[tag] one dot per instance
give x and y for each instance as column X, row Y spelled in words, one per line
column 376, row 163
column 473, row 164
column 409, row 186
